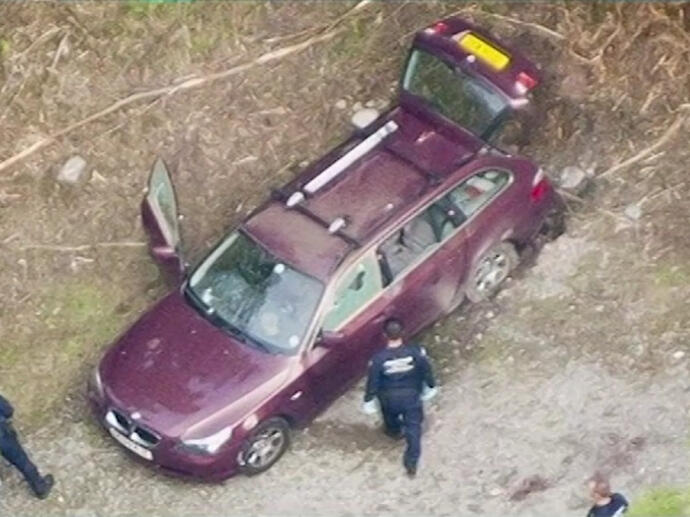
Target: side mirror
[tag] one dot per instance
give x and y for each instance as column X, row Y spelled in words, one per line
column 330, row 339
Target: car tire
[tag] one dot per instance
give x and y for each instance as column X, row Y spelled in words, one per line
column 490, row 271
column 554, row 224
column 257, row 457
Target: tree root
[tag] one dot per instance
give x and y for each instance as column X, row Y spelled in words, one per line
column 670, row 132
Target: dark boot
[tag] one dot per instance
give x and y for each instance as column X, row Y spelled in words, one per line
column 43, row 486
column 411, row 470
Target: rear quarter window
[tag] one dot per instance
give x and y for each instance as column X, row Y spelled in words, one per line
column 477, row 191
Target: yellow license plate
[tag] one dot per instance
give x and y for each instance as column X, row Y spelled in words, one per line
column 484, row 51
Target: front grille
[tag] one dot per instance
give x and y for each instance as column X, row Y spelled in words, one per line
column 147, row 437
column 131, row 429
column 122, row 420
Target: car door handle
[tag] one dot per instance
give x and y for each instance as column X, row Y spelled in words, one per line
column 381, row 318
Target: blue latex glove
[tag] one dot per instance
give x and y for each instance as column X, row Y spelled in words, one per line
column 371, row 407
column 428, row 393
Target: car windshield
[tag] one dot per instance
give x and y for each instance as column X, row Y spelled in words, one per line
column 465, row 100
column 244, row 289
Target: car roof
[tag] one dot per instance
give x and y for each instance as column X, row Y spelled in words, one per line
column 300, row 237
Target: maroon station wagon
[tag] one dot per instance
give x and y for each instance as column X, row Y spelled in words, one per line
column 414, row 212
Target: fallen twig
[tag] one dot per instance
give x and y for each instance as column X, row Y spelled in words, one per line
column 670, row 132
column 570, row 196
column 38, row 41
column 82, row 247
column 655, row 195
column 167, row 91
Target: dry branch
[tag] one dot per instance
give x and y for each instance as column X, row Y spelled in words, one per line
column 680, row 119
column 82, row 247
column 166, row 91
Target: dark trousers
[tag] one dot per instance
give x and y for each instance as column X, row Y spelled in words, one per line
column 404, row 413
column 13, row 452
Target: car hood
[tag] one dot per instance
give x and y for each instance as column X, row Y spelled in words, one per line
column 185, row 376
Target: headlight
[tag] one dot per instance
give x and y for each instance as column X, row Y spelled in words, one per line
column 96, row 382
column 209, row 444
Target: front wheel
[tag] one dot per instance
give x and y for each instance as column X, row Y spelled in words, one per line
column 265, row 446
column 489, row 272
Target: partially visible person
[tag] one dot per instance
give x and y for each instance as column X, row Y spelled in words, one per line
column 606, row 503
column 13, row 452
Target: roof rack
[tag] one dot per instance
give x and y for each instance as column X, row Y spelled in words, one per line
column 334, row 228
column 342, row 163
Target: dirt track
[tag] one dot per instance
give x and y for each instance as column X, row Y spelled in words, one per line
column 580, row 364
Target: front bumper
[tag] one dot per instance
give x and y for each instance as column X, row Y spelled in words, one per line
column 169, row 458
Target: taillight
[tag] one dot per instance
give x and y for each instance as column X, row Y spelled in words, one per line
column 524, row 83
column 540, row 185
column 438, row 28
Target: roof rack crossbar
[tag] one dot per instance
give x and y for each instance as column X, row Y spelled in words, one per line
column 326, row 225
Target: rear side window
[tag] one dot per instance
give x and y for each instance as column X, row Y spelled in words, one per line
column 477, row 191
column 418, row 238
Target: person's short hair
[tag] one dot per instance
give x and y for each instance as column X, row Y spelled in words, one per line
column 600, row 485
column 393, row 329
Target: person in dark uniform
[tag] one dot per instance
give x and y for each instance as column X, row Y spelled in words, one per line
column 13, row 452
column 398, row 376
column 606, row 504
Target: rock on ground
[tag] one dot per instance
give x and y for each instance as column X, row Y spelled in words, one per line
column 74, row 172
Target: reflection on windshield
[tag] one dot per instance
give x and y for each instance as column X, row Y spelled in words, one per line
column 255, row 294
column 465, row 100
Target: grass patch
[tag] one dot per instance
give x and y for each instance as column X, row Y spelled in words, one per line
column 355, row 42
column 671, row 276
column 53, row 351
column 83, row 313
column 4, row 47
column 662, row 502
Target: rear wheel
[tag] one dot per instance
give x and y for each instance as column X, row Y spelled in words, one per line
column 265, row 446
column 489, row 272
column 554, row 224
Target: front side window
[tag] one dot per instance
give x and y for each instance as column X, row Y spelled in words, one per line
column 466, row 100
column 355, row 289
column 244, row 288
column 477, row 191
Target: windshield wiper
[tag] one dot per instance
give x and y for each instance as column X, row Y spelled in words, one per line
column 243, row 336
column 210, row 314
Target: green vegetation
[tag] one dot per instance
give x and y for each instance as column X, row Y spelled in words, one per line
column 672, row 276
column 662, row 502
column 4, row 47
column 354, row 43
column 71, row 324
